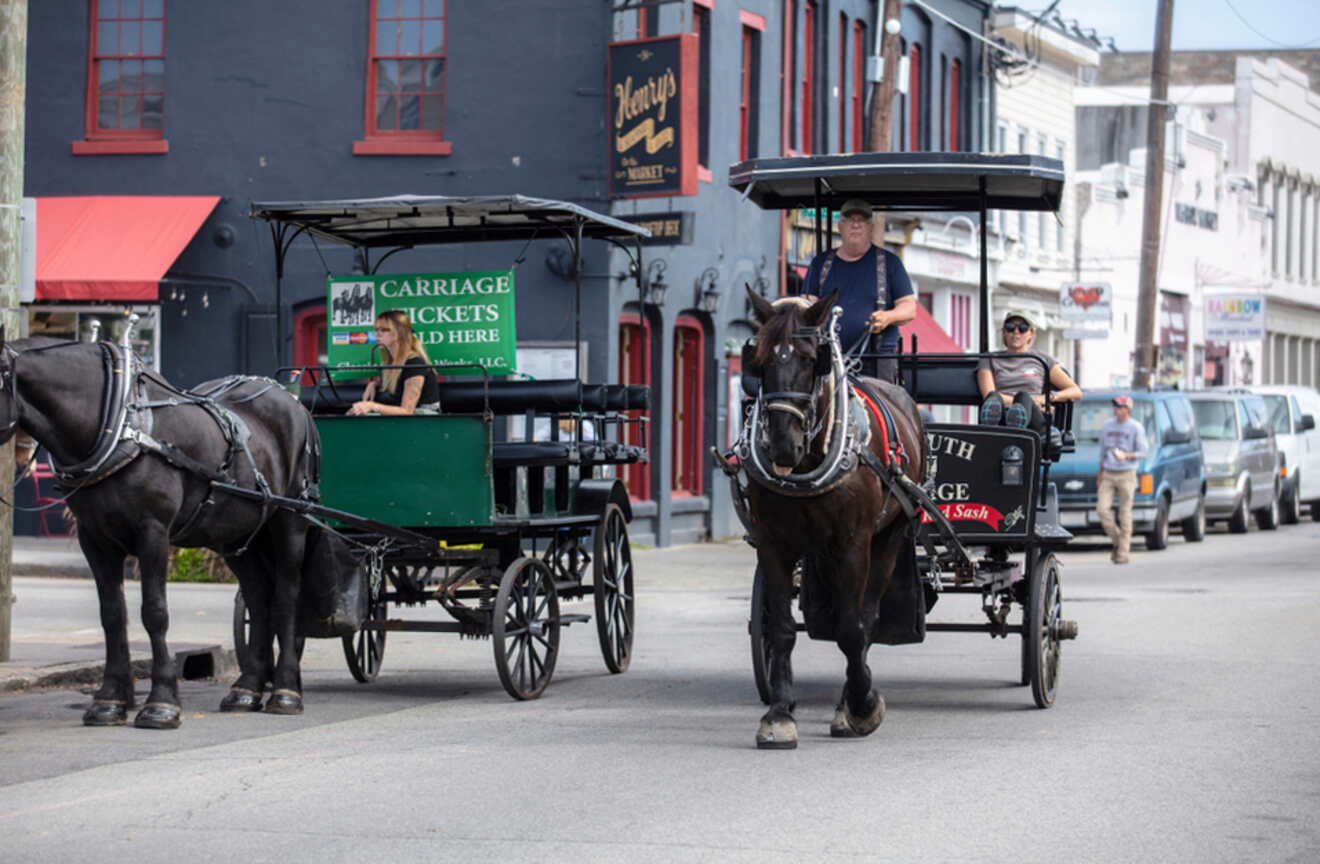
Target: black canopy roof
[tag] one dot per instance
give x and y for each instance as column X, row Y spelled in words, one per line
column 413, row 220
column 903, row 181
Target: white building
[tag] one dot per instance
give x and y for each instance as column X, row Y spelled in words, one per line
column 1241, row 196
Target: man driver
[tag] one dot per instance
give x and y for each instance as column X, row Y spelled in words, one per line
column 874, row 289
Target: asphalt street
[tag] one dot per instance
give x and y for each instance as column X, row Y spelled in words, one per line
column 1184, row 731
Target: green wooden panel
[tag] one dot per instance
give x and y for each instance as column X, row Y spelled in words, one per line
column 408, row 471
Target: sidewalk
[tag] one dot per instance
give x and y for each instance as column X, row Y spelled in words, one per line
column 49, row 556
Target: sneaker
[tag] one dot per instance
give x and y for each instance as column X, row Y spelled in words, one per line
column 1120, row 559
column 992, row 411
column 1016, row 416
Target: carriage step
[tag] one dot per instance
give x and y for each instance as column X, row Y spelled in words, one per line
column 573, row 618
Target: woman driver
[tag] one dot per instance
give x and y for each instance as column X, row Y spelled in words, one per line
column 1013, row 387
column 399, row 391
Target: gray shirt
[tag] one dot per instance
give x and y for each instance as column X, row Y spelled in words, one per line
column 1127, row 436
column 1019, row 373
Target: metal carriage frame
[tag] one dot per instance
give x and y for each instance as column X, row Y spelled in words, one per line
column 497, row 533
column 957, row 556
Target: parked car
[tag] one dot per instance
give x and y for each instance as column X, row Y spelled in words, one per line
column 1293, row 413
column 1241, row 458
column 1171, row 484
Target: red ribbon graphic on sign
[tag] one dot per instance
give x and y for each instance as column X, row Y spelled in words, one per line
column 966, row 511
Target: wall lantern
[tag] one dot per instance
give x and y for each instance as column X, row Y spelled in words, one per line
column 656, row 289
column 707, row 294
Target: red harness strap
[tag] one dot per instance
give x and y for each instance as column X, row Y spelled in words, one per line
column 880, row 421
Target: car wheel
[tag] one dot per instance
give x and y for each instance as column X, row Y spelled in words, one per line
column 1158, row 538
column 1267, row 517
column 1239, row 521
column 1291, row 513
column 1193, row 527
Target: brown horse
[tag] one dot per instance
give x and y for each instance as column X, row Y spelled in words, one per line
column 846, row 523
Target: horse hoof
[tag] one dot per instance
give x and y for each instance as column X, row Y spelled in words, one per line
column 777, row 735
column 239, row 699
column 284, row 702
column 865, row 726
column 158, row 715
column 106, row 713
column 839, row 727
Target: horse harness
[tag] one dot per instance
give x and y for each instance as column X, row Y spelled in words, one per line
column 126, row 431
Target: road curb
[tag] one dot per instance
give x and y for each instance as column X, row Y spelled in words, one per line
column 193, row 663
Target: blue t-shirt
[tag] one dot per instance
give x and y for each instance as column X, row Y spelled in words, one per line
column 855, row 282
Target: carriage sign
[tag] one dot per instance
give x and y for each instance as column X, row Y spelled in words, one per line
column 459, row 317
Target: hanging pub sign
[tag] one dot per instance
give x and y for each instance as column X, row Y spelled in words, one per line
column 667, row 229
column 653, row 117
column 458, row 318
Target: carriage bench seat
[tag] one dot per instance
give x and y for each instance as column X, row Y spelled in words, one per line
column 532, row 454
column 611, row 452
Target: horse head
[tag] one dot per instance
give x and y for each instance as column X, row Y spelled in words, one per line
column 792, row 358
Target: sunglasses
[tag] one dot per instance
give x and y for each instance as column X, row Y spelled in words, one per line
column 1020, row 327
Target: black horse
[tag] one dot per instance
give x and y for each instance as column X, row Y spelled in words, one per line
column 847, row 524
column 162, row 456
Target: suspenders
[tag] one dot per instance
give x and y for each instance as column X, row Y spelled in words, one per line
column 881, row 282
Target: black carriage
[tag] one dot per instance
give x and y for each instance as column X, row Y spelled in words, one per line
column 499, row 507
column 987, row 498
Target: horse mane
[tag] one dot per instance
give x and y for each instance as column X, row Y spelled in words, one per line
column 780, row 328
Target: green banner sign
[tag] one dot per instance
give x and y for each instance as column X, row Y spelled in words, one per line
column 459, row 317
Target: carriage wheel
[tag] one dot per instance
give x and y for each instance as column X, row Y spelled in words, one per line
column 243, row 632
column 760, row 641
column 365, row 650
column 612, row 580
column 1044, row 620
column 525, row 629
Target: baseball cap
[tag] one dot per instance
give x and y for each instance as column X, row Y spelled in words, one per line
column 855, row 205
column 1122, row 401
column 1020, row 313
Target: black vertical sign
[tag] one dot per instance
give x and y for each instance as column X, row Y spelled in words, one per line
column 653, row 117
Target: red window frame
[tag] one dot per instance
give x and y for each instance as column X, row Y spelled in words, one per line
column 309, row 339
column 955, row 79
column 701, row 19
column 745, row 94
column 406, row 142
column 105, row 18
column 788, row 76
column 914, row 97
column 634, row 368
column 808, row 75
column 858, row 74
column 843, row 82
column 688, row 405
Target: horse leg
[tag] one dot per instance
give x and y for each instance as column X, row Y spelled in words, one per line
column 112, row 700
column 161, row 710
column 778, row 729
column 861, row 709
column 252, row 570
column 287, row 533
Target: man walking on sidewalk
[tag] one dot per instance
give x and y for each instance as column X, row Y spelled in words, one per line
column 1122, row 444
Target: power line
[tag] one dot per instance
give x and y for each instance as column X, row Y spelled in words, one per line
column 1253, row 29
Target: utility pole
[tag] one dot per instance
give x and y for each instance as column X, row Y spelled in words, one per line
column 882, row 92
column 1146, row 348
column 13, row 90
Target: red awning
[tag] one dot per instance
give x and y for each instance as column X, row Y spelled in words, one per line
column 113, row 247
column 931, row 338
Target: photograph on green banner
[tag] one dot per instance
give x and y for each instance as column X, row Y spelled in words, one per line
column 463, row 320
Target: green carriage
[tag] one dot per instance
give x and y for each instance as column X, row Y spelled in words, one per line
column 502, row 504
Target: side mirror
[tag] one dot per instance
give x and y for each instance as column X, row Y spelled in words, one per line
column 1307, row 422
column 1173, row 436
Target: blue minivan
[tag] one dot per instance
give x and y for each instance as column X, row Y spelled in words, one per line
column 1170, row 479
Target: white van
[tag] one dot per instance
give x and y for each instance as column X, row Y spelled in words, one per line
column 1294, row 412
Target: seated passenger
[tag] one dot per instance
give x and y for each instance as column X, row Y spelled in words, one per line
column 1013, row 388
column 399, row 391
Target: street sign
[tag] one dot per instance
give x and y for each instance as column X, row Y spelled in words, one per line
column 1071, row 333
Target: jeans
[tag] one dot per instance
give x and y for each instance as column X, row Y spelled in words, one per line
column 1125, row 484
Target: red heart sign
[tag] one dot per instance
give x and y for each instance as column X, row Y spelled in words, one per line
column 1085, row 296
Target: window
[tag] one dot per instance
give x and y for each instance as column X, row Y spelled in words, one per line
column 1060, row 239
column 955, row 104
column 788, row 78
column 1162, row 424
column 125, row 78
column 634, row 355
column 701, row 26
column 808, row 75
column 858, row 77
column 1043, row 218
column 960, row 319
column 1022, row 216
column 843, row 83
column 914, row 98
column 1180, row 414
column 689, row 383
column 309, row 340
column 405, row 102
column 648, row 21
column 749, row 112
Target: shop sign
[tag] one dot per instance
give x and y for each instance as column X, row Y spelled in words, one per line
column 1071, row 333
column 653, row 116
column 458, row 317
column 1086, row 301
column 667, row 229
column 1234, row 317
